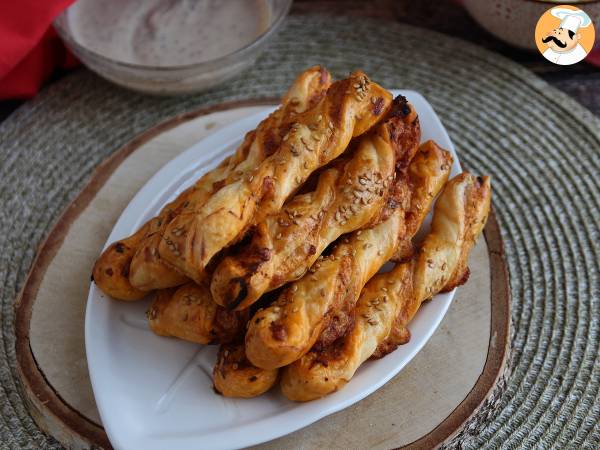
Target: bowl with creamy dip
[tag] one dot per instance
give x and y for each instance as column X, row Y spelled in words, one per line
column 170, row 46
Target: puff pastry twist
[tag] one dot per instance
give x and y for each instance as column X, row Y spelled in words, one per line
column 130, row 267
column 189, row 313
column 459, row 216
column 313, row 139
column 348, row 197
column 319, row 305
column 235, row 376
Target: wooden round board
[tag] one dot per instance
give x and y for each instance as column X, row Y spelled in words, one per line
column 420, row 408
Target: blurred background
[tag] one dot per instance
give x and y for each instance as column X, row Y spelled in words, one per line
column 33, row 53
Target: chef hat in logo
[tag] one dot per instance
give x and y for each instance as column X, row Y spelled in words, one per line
column 571, row 20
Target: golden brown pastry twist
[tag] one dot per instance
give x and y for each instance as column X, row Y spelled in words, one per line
column 111, row 269
column 148, row 271
column 286, row 244
column 130, row 267
column 189, row 313
column 423, row 191
column 321, row 302
column 235, row 376
column 459, row 216
column 314, row 138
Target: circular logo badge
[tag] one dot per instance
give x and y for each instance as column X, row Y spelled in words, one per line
column 564, row 35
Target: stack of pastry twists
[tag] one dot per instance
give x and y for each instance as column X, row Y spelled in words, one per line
column 394, row 297
column 273, row 255
column 427, row 173
column 347, row 198
column 314, row 138
column 318, row 305
column 131, row 267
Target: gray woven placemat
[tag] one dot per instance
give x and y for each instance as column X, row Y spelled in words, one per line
column 541, row 148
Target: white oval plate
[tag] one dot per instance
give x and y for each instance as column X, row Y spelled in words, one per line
column 155, row 393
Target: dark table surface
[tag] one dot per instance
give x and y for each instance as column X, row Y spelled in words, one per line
column 581, row 81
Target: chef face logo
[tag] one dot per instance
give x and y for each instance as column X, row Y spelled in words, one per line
column 561, row 40
column 564, row 35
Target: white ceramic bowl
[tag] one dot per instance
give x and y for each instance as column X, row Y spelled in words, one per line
column 168, row 80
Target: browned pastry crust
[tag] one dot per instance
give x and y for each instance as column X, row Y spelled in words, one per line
column 455, row 272
column 188, row 312
column 424, row 186
column 111, row 270
column 148, row 271
column 347, row 198
column 460, row 214
column 235, row 376
column 139, row 268
column 323, row 372
column 317, row 306
column 427, row 174
column 314, row 138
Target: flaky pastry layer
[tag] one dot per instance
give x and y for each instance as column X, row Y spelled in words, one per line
column 235, row 376
column 319, row 305
column 129, row 268
column 313, row 139
column 459, row 216
column 349, row 197
column 188, row 312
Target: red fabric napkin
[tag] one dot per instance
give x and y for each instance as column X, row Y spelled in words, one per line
column 30, row 49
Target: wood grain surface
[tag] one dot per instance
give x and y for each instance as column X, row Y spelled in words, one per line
column 420, row 407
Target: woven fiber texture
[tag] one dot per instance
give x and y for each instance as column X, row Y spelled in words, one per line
column 540, row 147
